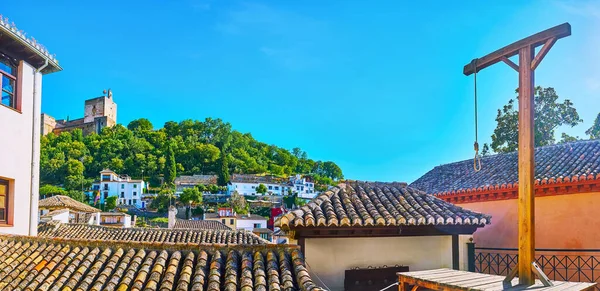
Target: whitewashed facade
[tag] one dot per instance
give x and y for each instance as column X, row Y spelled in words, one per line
column 22, row 63
column 128, row 191
column 246, row 186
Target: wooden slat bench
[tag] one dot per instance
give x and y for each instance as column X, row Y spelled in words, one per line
column 453, row 280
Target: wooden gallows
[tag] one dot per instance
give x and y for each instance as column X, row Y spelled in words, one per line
column 528, row 62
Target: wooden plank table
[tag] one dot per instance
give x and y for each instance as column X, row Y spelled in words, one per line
column 453, row 280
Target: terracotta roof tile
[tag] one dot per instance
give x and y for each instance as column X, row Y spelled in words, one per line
column 200, row 224
column 60, row 201
column 195, row 236
column 65, row 264
column 574, row 160
column 364, row 204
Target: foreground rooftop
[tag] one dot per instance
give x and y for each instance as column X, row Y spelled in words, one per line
column 29, row 263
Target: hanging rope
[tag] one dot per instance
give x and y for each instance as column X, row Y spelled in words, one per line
column 477, row 158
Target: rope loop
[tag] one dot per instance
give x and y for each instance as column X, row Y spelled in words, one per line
column 477, row 158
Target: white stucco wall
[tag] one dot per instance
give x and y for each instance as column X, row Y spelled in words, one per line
column 15, row 153
column 62, row 217
column 328, row 258
column 248, row 224
column 247, row 189
column 114, row 189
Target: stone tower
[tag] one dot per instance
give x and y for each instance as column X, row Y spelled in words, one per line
column 101, row 112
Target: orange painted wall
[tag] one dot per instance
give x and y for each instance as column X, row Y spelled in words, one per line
column 570, row 221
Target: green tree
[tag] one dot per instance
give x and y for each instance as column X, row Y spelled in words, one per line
column 190, row 197
column 261, row 189
column 140, row 125
column 51, row 190
column 549, row 114
column 594, row 131
column 223, row 174
column 110, row 203
column 485, row 151
column 170, row 167
column 567, row 138
column 238, row 203
column 161, row 202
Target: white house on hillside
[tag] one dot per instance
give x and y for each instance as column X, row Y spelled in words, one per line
column 128, row 191
column 303, row 186
column 246, row 185
column 23, row 61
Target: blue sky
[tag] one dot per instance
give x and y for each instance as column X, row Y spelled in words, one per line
column 376, row 86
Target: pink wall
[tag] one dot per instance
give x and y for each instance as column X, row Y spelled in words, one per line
column 570, row 221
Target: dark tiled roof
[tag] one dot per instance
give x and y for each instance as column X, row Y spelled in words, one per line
column 249, row 178
column 568, row 160
column 28, row 263
column 60, row 201
column 363, row 204
column 200, row 224
column 196, row 179
column 159, row 235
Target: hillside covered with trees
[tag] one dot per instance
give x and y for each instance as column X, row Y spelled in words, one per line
column 184, row 148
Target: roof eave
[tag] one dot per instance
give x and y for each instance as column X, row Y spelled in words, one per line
column 32, row 53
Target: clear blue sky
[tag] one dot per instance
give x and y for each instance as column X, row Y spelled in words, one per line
column 378, row 88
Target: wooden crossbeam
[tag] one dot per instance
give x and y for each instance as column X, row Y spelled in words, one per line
column 510, row 50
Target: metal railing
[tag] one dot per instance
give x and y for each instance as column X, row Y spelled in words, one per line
column 576, row 265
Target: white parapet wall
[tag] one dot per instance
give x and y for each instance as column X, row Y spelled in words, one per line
column 328, row 258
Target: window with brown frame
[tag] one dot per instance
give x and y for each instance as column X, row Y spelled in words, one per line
column 8, row 81
column 3, row 201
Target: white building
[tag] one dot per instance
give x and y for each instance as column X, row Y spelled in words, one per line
column 128, row 191
column 303, row 186
column 247, row 184
column 250, row 222
column 67, row 210
column 23, row 61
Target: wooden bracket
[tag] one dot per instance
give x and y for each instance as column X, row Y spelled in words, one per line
column 543, row 51
column 507, row 282
column 540, row 273
column 510, row 63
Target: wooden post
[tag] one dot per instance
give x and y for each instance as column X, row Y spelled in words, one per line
column 526, row 166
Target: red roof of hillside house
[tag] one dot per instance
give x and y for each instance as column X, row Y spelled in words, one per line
column 559, row 169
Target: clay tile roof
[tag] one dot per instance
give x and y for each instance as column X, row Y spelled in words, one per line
column 30, row 263
column 200, row 224
column 553, row 162
column 60, row 201
column 157, row 235
column 196, row 179
column 364, row 204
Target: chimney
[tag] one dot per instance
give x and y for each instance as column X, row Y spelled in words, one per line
column 172, row 216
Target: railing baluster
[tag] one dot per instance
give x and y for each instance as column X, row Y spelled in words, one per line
column 559, row 264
